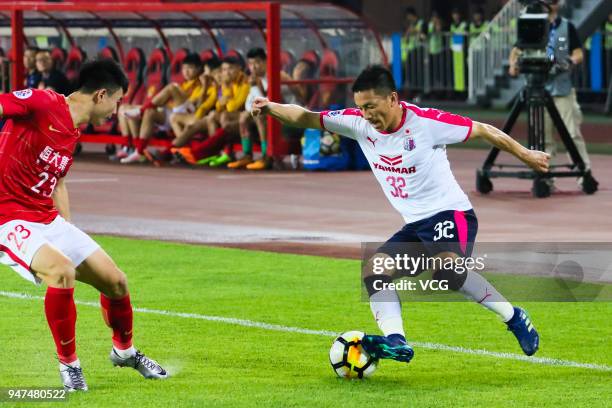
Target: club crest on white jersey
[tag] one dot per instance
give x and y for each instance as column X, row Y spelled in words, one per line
column 409, row 144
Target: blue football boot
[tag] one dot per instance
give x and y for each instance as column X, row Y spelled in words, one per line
column 393, row 347
column 524, row 331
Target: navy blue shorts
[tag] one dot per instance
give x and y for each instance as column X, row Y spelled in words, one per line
column 446, row 231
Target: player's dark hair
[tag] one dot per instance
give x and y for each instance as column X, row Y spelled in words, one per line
column 377, row 78
column 232, row 60
column 212, row 63
column 101, row 74
column 410, row 11
column 41, row 50
column 32, row 48
column 257, row 53
column 193, row 59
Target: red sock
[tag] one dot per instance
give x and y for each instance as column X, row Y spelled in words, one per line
column 141, row 145
column 210, row 146
column 195, row 144
column 118, row 314
column 147, row 105
column 61, row 317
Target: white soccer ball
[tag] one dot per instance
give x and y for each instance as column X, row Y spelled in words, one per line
column 347, row 357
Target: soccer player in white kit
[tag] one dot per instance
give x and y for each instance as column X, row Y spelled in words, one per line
column 406, row 148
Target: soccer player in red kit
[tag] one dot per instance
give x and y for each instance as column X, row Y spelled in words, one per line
column 37, row 239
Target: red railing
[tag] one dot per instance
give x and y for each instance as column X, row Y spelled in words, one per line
column 271, row 35
column 272, row 10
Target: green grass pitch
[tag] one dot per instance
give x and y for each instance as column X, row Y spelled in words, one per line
column 218, row 363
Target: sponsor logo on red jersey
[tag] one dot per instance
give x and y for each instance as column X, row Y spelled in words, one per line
column 54, row 159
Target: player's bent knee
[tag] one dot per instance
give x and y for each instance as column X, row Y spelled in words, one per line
column 117, row 285
column 244, row 118
column 148, row 115
column 379, row 264
column 454, row 276
column 377, row 274
column 454, row 280
column 224, row 119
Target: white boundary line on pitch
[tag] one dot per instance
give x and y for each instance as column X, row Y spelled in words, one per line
column 259, row 175
column 290, row 329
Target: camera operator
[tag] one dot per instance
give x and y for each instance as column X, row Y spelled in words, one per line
column 565, row 49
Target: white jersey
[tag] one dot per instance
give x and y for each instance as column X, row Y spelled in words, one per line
column 410, row 163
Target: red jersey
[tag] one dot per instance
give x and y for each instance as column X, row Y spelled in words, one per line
column 36, row 146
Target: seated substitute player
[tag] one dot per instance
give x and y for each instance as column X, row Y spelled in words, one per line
column 173, row 98
column 422, row 188
column 207, row 99
column 36, row 237
column 256, row 60
column 222, row 122
column 204, row 99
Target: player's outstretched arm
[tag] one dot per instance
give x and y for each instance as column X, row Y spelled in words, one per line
column 535, row 159
column 60, row 199
column 292, row 115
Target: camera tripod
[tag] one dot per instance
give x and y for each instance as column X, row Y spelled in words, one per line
column 536, row 100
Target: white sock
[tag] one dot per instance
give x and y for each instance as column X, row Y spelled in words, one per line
column 127, row 353
column 387, row 311
column 481, row 291
column 75, row 363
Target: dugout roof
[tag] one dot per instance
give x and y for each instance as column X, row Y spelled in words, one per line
column 240, row 26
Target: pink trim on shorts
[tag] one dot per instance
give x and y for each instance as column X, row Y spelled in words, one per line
column 462, row 229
